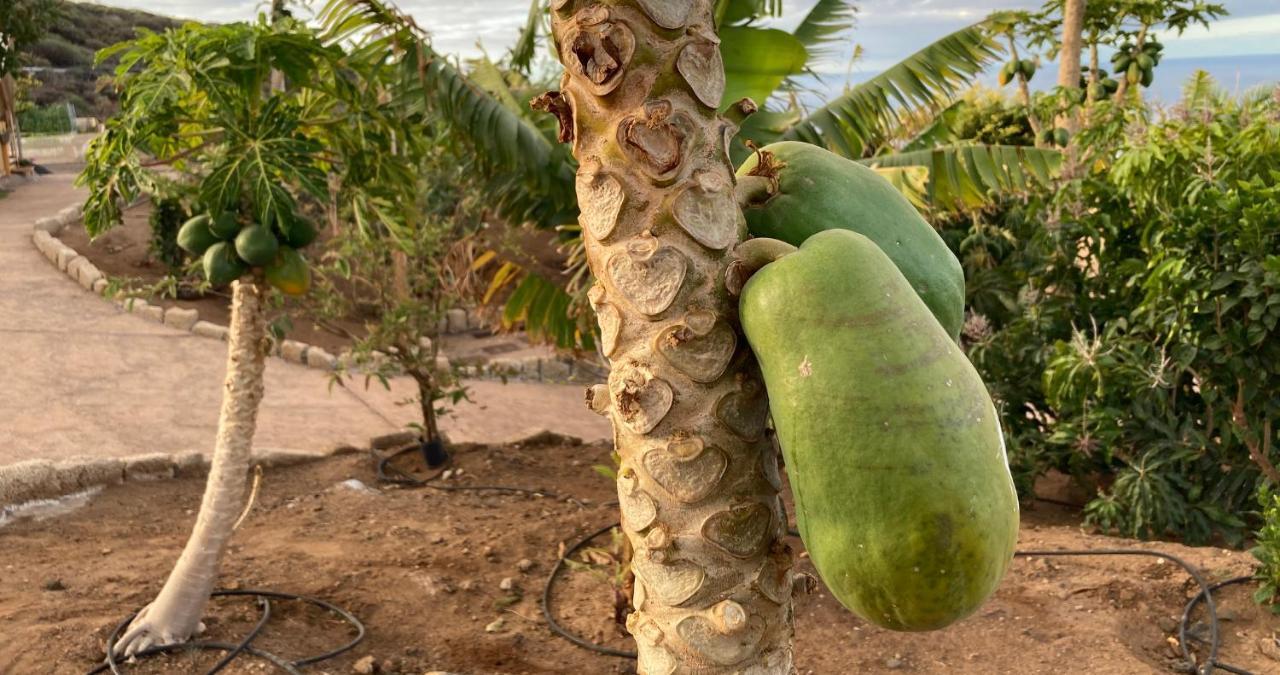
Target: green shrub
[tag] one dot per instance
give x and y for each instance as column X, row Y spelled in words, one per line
column 1267, row 550
column 166, row 219
column 50, row 119
column 1127, row 319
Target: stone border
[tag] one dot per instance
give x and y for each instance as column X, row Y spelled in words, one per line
column 37, row 479
column 553, row 369
column 44, row 479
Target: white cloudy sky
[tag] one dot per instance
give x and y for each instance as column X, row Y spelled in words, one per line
column 887, row 29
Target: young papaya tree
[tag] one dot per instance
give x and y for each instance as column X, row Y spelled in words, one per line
column 197, row 107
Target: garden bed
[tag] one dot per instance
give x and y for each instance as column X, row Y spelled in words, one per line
column 424, row 569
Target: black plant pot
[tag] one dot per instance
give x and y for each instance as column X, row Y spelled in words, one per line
column 433, row 453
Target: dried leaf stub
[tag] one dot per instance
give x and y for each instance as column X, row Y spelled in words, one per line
column 700, row 346
column 557, row 104
column 640, row 399
column 702, row 67
column 688, row 478
column 667, row 13
column 601, row 198
column 706, row 209
column 597, row 49
column 742, row 531
column 648, row 275
column 656, row 140
column 609, row 319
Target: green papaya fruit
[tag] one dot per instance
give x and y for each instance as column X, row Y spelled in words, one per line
column 1061, row 137
column 1097, row 92
column 299, row 232
column 221, row 264
column 195, row 237
column 225, row 225
column 1121, row 64
column 256, row 245
column 1045, row 137
column 1145, row 61
column 1006, row 73
column 1111, row 85
column 1027, row 67
column 289, row 272
column 1134, row 73
column 819, row 190
column 895, row 457
column 1148, row 76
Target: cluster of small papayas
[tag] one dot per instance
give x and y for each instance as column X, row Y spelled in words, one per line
column 231, row 247
column 892, row 444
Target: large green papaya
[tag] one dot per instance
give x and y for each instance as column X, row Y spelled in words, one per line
column 819, row 190
column 894, row 453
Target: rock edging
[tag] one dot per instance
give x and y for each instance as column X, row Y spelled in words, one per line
column 37, row 479
column 549, row 369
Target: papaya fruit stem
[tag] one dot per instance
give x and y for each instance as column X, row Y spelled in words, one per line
column 755, row 190
column 750, row 256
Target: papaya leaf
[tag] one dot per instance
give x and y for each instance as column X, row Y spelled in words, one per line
column 757, row 60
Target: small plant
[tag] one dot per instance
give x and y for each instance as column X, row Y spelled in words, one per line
column 166, row 219
column 1267, row 550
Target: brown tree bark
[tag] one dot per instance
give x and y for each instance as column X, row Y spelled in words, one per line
column 698, row 483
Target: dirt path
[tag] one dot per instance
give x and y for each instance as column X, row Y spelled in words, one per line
column 85, row 378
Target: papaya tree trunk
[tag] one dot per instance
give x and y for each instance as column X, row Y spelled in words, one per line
column 174, row 616
column 698, row 483
column 1069, row 55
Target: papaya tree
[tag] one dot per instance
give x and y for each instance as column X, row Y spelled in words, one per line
column 697, row 483
column 197, row 108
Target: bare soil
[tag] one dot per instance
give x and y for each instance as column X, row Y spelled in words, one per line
column 424, row 570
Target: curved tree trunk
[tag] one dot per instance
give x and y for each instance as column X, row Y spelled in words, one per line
column 174, row 616
column 698, row 484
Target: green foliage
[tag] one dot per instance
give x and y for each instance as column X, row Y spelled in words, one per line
column 167, row 218
column 1266, row 550
column 1127, row 317
column 22, row 22
column 53, row 119
column 853, row 123
column 77, row 31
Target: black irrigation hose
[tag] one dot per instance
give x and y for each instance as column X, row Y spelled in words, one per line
column 546, row 601
column 1191, row 605
column 383, row 463
column 245, row 646
column 1205, row 595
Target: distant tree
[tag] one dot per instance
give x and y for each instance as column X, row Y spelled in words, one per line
column 22, row 22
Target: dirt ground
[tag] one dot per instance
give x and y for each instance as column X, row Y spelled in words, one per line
column 425, row 570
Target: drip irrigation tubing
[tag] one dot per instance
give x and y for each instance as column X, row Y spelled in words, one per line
column 245, row 646
column 402, row 478
column 1184, row 633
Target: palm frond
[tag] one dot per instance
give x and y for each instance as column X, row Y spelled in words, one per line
column 857, row 120
column 970, row 176
column 535, row 173
column 825, row 25
column 522, row 52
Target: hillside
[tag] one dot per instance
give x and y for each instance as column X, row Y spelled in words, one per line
column 63, row 60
